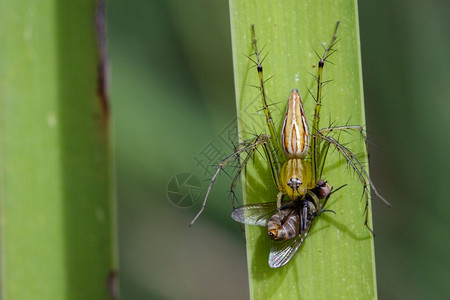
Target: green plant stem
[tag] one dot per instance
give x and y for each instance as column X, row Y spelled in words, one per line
column 57, row 238
column 336, row 260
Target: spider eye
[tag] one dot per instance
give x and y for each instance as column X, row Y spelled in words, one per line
column 294, row 183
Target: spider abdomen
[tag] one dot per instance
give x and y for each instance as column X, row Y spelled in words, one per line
column 295, row 131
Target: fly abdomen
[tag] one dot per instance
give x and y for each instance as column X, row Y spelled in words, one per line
column 283, row 225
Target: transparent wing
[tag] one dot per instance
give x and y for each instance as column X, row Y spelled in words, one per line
column 282, row 252
column 254, row 214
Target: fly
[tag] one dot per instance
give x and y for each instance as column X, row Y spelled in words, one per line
column 288, row 226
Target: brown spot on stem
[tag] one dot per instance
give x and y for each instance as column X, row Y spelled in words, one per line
column 102, row 67
column 113, row 285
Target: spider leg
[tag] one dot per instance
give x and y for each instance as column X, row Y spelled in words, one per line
column 279, row 200
column 321, row 158
column 273, row 165
column 315, row 141
column 269, row 120
column 315, row 200
column 360, row 171
column 343, row 128
column 325, row 147
column 249, row 146
column 250, row 152
column 269, row 142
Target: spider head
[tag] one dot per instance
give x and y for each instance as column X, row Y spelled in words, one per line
column 295, row 178
column 294, row 183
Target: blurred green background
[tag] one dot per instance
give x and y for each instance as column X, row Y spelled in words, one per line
column 173, row 99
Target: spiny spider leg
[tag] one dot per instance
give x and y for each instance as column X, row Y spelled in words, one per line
column 315, row 140
column 242, row 165
column 250, row 145
column 270, row 124
column 319, row 152
column 324, row 148
column 238, row 173
column 355, row 164
column 343, row 128
column 362, row 174
column 271, row 160
column 269, row 142
column 322, row 155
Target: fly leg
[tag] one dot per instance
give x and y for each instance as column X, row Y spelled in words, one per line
column 304, row 217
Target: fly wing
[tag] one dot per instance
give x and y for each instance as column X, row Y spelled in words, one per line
column 282, row 252
column 254, row 214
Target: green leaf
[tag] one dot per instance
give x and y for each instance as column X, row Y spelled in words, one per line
column 336, row 260
column 55, row 156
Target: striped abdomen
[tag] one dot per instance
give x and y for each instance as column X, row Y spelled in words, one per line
column 284, row 225
column 295, row 131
